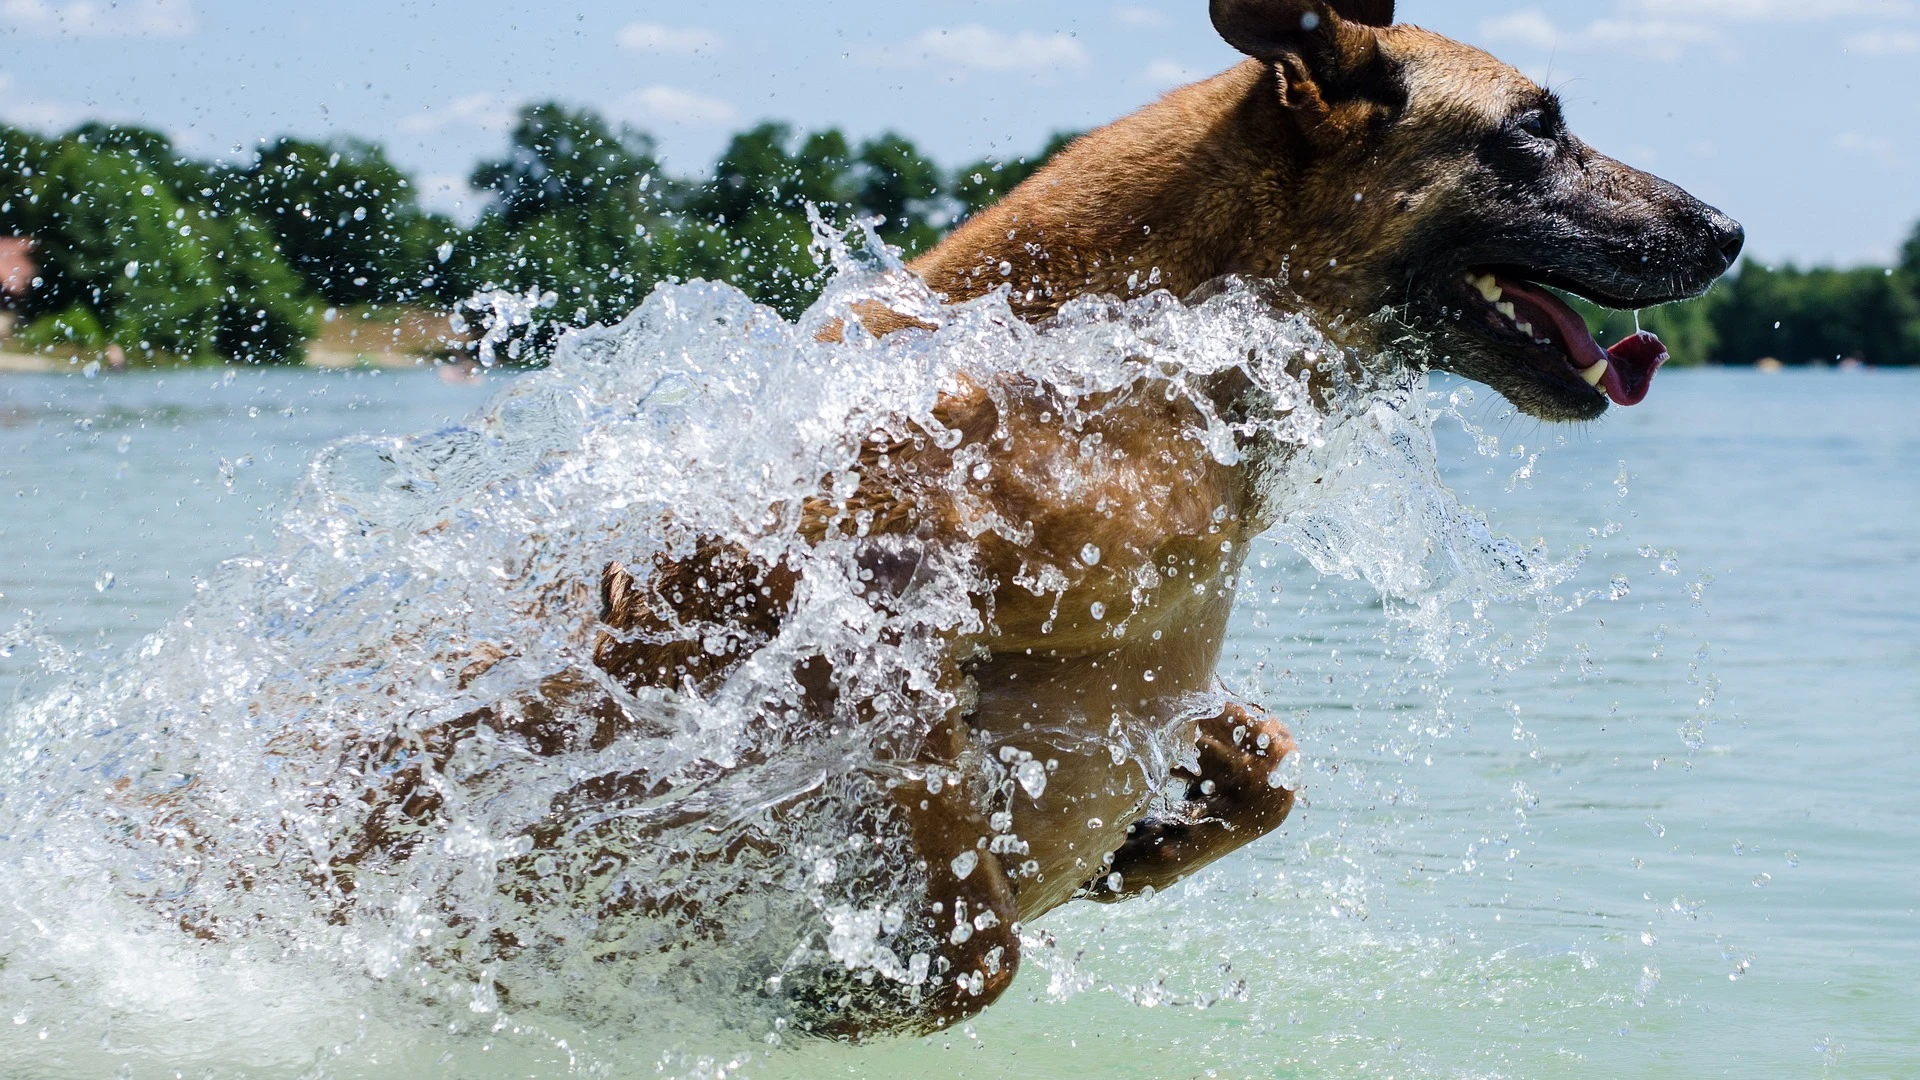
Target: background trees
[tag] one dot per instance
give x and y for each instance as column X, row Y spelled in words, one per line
column 135, row 249
column 346, row 220
column 580, row 208
column 164, row 255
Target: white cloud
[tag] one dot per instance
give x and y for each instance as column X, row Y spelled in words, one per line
column 1667, row 29
column 1523, row 28
column 101, row 18
column 39, row 115
column 449, row 194
column 192, row 140
column 1167, row 74
column 670, row 105
column 976, row 48
column 1661, row 39
column 485, row 111
column 1885, row 43
column 668, row 40
column 1773, row 11
column 1135, row 15
column 1877, row 147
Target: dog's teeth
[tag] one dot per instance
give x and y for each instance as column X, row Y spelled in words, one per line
column 1488, row 288
column 1506, row 309
column 1525, row 328
column 1594, row 374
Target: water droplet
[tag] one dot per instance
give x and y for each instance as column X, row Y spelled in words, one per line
column 1649, row 979
column 1656, row 828
column 103, row 582
column 1793, row 859
column 964, row 863
column 1032, row 776
column 1761, row 881
column 1099, row 611
column 1090, row 555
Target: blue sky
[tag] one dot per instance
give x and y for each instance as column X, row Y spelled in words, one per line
column 1800, row 117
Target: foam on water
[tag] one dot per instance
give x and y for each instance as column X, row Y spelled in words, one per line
column 184, row 833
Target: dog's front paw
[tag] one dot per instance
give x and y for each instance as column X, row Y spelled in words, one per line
column 1237, row 793
column 1247, row 762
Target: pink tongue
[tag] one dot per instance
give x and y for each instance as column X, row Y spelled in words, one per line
column 1630, row 364
column 1630, row 368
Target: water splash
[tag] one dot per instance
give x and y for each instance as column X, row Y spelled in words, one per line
column 216, row 794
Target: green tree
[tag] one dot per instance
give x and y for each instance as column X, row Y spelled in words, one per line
column 1687, row 328
column 1817, row 315
column 132, row 253
column 894, row 181
column 346, row 219
column 189, row 180
column 989, row 180
column 581, row 210
column 561, row 158
column 757, row 201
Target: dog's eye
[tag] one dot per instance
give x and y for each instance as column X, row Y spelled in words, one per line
column 1534, row 124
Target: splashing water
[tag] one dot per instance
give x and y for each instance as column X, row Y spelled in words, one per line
column 204, row 813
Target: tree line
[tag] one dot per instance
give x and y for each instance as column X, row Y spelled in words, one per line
column 171, row 257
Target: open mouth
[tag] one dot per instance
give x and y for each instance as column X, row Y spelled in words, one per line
column 1523, row 315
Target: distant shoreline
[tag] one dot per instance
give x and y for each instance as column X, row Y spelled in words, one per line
column 392, row 339
column 25, row 364
column 15, row 363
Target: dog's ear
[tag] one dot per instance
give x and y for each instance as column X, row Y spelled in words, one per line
column 1365, row 12
column 1318, row 46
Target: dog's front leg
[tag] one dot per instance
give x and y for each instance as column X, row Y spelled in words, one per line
column 970, row 914
column 1234, row 798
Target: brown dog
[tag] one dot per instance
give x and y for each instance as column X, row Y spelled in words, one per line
column 1372, row 167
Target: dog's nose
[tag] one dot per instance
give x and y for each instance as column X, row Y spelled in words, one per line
column 1728, row 236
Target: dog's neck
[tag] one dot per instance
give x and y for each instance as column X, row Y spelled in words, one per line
column 1201, row 184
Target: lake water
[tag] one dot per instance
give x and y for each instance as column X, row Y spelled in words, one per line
column 1678, row 841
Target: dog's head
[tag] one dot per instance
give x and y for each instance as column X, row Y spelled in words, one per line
column 1444, row 184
